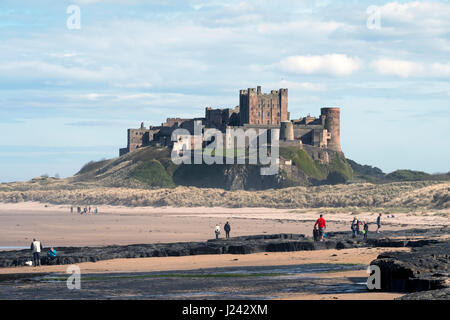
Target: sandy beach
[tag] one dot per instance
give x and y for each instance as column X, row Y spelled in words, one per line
column 54, row 225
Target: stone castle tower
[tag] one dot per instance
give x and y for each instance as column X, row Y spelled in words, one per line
column 264, row 109
column 332, row 125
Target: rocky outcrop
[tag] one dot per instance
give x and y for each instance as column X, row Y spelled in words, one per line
column 440, row 294
column 424, row 268
column 238, row 245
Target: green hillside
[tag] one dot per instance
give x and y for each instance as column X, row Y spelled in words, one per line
column 407, row 175
column 152, row 167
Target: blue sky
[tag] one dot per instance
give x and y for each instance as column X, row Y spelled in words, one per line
column 68, row 96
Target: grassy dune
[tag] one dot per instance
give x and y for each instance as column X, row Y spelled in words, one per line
column 147, row 177
column 424, row 194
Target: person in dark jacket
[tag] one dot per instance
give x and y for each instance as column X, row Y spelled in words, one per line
column 227, row 229
column 355, row 227
column 379, row 223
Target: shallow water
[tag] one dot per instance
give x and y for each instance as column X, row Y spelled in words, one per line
column 5, row 248
column 216, row 283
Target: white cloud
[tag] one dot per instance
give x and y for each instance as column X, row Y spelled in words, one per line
column 321, row 27
column 302, row 85
column 406, row 69
column 414, row 11
column 401, row 68
column 40, row 69
column 440, row 69
column 417, row 16
column 131, row 85
column 335, row 64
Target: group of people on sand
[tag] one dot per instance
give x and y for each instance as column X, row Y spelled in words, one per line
column 356, row 226
column 319, row 233
column 36, row 248
column 85, row 210
column 226, row 228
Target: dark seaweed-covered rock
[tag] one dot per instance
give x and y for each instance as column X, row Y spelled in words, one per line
column 239, row 245
column 424, row 268
column 439, row 294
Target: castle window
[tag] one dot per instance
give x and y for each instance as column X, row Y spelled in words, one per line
column 268, row 113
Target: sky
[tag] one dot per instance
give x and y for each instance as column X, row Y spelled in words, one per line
column 67, row 95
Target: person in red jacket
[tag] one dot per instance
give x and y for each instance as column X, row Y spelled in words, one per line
column 322, row 226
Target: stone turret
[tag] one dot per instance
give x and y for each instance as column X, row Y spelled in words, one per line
column 287, row 131
column 332, row 124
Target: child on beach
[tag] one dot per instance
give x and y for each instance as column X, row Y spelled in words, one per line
column 217, row 231
column 366, row 230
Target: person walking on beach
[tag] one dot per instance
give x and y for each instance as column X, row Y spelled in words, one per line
column 378, row 223
column 227, row 229
column 355, row 227
column 321, row 223
column 36, row 248
column 366, row 230
column 78, row 210
column 71, row 209
column 95, row 210
column 217, row 231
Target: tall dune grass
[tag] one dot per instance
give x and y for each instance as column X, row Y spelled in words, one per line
column 426, row 194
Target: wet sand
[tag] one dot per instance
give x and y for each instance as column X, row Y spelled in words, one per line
column 312, row 285
column 361, row 256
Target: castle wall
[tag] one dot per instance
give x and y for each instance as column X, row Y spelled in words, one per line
column 221, row 118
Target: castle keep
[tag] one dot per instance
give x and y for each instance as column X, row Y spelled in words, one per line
column 262, row 108
column 320, row 136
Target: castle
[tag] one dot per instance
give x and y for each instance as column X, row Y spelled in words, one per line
column 320, row 137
